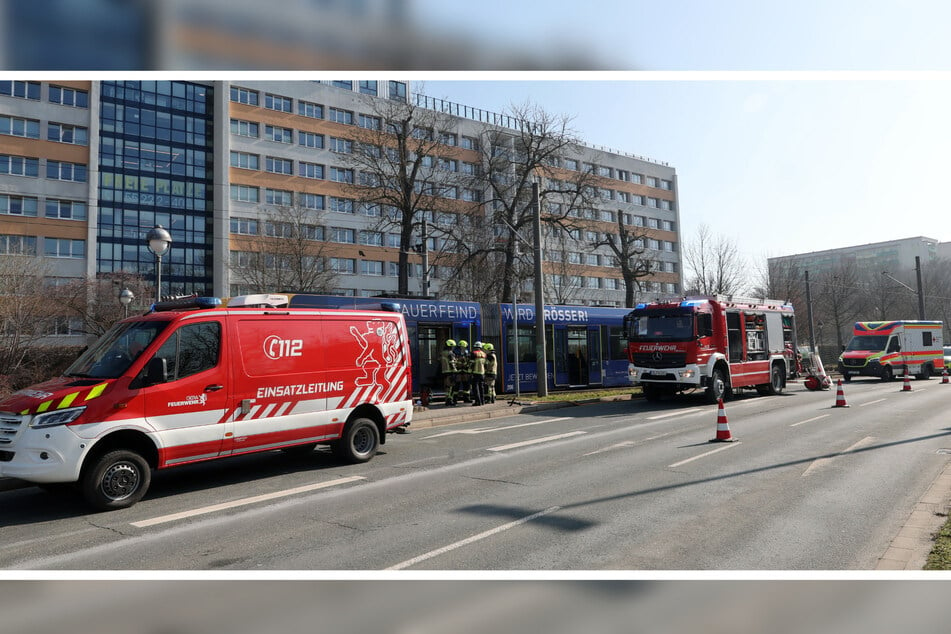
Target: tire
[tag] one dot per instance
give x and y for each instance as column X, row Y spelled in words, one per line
column 116, row 480
column 299, row 451
column 717, row 389
column 651, row 392
column 925, row 373
column 359, row 443
column 887, row 374
column 847, row 378
column 775, row 385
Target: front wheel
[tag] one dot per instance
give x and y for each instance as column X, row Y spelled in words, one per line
column 717, row 388
column 359, row 442
column 887, row 373
column 116, row 480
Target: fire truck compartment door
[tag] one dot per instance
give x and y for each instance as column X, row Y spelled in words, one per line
column 774, row 332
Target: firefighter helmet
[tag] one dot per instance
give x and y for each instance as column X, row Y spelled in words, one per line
column 477, row 344
column 488, row 347
column 450, row 343
column 463, row 344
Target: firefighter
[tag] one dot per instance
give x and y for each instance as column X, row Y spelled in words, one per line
column 491, row 370
column 477, row 373
column 447, row 367
column 462, row 371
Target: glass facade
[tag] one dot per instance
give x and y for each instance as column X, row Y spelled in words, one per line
column 156, row 168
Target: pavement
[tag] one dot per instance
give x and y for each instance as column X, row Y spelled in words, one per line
column 908, row 550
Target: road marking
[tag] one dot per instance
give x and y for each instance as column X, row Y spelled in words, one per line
column 819, row 462
column 244, row 502
column 485, row 430
column 683, row 462
column 686, row 412
column 809, row 420
column 536, row 441
column 872, row 402
column 470, row 540
column 630, row 443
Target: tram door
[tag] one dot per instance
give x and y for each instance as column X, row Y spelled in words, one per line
column 595, row 372
column 577, row 355
column 432, row 339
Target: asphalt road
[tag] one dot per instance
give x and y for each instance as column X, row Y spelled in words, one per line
column 611, row 486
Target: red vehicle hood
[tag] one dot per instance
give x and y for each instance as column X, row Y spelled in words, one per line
column 58, row 393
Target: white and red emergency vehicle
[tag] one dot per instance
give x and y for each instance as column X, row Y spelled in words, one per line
column 193, row 380
column 716, row 343
column 887, row 349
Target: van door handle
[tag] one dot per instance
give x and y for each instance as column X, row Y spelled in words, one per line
column 214, row 388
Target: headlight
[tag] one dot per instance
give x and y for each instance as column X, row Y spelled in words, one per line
column 58, row 417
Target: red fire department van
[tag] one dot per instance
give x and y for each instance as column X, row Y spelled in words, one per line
column 717, row 343
column 193, row 380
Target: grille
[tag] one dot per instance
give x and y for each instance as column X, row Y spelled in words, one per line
column 9, row 426
column 853, row 363
column 660, row 359
column 6, row 456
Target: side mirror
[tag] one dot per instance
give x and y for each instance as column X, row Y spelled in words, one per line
column 156, row 371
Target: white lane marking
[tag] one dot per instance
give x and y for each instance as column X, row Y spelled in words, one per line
column 536, row 441
column 686, row 412
column 809, row 420
column 818, row 462
column 872, row 402
column 703, row 455
column 485, row 430
column 244, row 502
column 470, row 540
column 630, row 443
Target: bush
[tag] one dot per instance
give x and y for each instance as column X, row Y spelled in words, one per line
column 45, row 362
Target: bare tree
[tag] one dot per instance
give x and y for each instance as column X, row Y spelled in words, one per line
column 24, row 308
column 628, row 247
column 839, row 299
column 403, row 165
column 714, row 263
column 95, row 304
column 286, row 252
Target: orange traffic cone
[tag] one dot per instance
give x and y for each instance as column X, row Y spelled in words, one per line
column 723, row 427
column 944, row 377
column 906, row 385
column 840, row 396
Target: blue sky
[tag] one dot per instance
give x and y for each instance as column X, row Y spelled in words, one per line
column 783, row 165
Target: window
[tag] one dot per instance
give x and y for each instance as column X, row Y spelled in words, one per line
column 371, row 267
column 592, row 259
column 310, row 170
column 69, row 97
column 309, row 139
column 341, row 146
column 470, row 169
column 637, row 199
column 312, row 201
column 668, row 225
column 245, row 96
column 652, row 202
column 65, row 209
column 277, row 165
column 278, row 134
column 397, row 90
column 244, row 128
column 651, row 181
column 636, row 179
column 665, row 204
column 342, row 205
column 18, row 205
column 450, row 165
column 61, row 170
column 470, row 143
column 343, row 235
column 653, row 223
column 666, row 185
column 22, row 89
column 668, row 246
column 471, row 195
column 278, row 196
column 604, row 171
column 64, row 248
column 17, row 245
column 610, row 283
column 15, row 126
column 371, row 238
column 246, row 161
column 448, row 138
column 423, row 134
column 369, row 179
column 368, row 87
column 308, row 109
column 571, row 164
column 244, row 226
column 341, row 175
column 191, row 349
column 343, row 265
column 370, row 123
column 245, row 194
column 277, row 102
column 278, row 229
column 339, row 83
column 341, row 116
column 19, row 165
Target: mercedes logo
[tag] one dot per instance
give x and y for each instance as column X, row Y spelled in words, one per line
column 657, row 356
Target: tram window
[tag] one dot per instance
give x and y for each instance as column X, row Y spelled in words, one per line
column 526, row 344
column 614, row 343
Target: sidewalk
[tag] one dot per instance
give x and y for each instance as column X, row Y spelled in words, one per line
column 438, row 413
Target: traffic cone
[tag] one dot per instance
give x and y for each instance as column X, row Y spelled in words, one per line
column 840, row 396
column 723, row 427
column 906, row 385
column 944, row 377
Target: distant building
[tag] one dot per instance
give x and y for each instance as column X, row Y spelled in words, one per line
column 897, row 257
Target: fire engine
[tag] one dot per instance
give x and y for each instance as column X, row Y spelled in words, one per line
column 193, row 380
column 720, row 344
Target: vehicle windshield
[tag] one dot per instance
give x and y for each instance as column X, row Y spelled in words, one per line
column 867, row 342
column 655, row 326
column 116, row 350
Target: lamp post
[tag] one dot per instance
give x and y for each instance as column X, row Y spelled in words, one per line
column 125, row 298
column 159, row 242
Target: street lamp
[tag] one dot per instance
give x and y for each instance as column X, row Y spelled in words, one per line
column 125, row 298
column 159, row 242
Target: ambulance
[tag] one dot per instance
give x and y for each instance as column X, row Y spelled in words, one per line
column 194, row 380
column 887, row 349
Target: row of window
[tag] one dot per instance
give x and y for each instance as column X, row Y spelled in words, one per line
column 604, row 171
column 57, row 94
column 52, row 247
column 396, row 90
column 29, row 166
column 14, row 205
column 30, row 129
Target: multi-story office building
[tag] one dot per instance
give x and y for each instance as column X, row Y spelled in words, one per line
column 87, row 168
column 897, row 257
